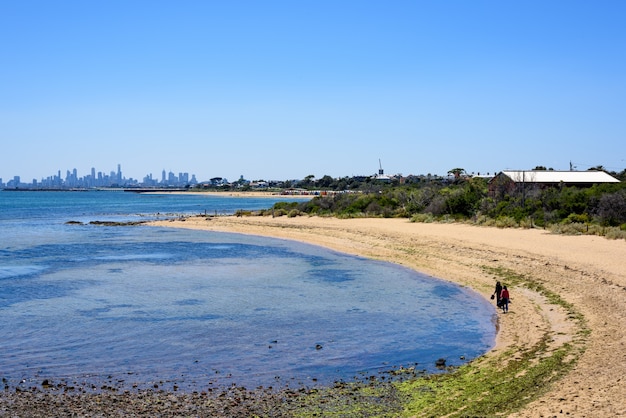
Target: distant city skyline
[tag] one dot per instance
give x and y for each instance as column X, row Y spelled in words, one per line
column 95, row 178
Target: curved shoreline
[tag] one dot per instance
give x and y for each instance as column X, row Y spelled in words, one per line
column 587, row 272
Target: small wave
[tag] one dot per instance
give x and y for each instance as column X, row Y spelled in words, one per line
column 16, row 271
column 154, row 256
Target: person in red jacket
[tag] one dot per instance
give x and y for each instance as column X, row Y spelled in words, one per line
column 504, row 299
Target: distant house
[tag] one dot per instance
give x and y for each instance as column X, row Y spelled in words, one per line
column 509, row 179
column 259, row 184
column 382, row 177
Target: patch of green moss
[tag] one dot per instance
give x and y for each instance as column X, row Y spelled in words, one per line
column 499, row 385
column 377, row 399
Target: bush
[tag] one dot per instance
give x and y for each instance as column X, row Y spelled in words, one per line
column 612, row 209
column 576, row 218
column 569, row 228
column 526, row 223
column 484, row 220
column 437, row 206
column 506, row 222
column 423, row 218
column 285, row 205
column 615, row 233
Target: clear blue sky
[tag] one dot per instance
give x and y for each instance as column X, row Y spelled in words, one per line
column 285, row 89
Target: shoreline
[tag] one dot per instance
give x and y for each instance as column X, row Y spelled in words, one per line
column 587, row 272
column 249, row 194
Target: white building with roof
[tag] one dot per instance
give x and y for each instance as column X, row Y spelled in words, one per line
column 551, row 177
column 508, row 179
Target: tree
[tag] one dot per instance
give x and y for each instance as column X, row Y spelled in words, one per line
column 325, row 181
column 612, row 208
column 457, row 172
column 308, row 180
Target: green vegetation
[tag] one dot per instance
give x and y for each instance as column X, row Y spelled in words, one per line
column 489, row 386
column 599, row 209
column 357, row 399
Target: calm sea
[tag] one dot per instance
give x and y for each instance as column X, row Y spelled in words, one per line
column 135, row 306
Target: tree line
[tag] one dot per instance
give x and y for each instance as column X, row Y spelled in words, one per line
column 470, row 199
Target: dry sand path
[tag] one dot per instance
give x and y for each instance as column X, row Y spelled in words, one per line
column 587, row 272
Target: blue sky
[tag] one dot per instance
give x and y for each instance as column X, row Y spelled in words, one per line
column 282, row 90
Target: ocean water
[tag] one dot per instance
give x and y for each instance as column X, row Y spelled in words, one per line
column 140, row 305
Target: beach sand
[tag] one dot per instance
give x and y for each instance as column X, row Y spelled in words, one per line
column 588, row 272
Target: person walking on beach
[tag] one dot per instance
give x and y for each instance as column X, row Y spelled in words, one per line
column 504, row 299
column 497, row 293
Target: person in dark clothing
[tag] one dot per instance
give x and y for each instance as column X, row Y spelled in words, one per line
column 497, row 292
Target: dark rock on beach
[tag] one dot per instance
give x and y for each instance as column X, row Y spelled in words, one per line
column 113, row 223
column 107, row 223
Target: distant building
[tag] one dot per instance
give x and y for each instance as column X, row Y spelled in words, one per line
column 486, row 176
column 259, row 184
column 381, row 176
column 507, row 180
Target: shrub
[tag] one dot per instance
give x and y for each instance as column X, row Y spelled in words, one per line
column 574, row 217
column 285, row 205
column 423, row 218
column 480, row 220
column 612, row 208
column 526, row 223
column 279, row 212
column 437, row 206
column 506, row 222
column 615, row 233
column 569, row 228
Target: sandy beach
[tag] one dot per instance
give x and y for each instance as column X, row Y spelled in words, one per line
column 586, row 271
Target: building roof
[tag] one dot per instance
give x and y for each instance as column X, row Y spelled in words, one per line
column 550, row 176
